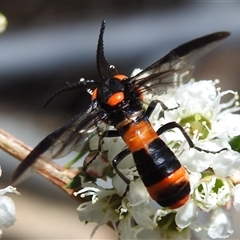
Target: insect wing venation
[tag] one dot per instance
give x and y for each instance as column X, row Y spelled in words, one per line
column 168, row 70
column 61, row 142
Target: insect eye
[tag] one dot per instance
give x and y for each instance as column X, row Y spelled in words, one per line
column 94, row 94
column 115, row 99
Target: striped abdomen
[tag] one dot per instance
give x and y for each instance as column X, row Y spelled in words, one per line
column 161, row 172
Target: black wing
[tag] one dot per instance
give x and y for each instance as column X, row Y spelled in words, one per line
column 177, row 66
column 61, row 142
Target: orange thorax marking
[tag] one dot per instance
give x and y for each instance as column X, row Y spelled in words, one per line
column 139, row 135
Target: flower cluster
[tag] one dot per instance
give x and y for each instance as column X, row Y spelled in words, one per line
column 7, row 207
column 215, row 185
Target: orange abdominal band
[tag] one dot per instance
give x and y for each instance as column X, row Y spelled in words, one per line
column 139, row 135
column 179, row 203
column 180, row 175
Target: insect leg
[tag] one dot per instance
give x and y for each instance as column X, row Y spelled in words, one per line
column 116, row 160
column 153, row 105
column 115, row 163
column 172, row 125
column 108, row 133
column 120, row 156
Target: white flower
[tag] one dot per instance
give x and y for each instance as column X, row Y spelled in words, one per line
column 3, row 23
column 197, row 107
column 212, row 192
column 186, row 214
column 7, row 207
column 219, row 226
column 226, row 163
column 101, row 208
column 236, row 197
column 205, row 117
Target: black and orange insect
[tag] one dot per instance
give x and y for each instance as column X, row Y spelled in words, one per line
column 117, row 101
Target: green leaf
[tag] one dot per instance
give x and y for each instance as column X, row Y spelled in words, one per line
column 235, row 143
column 75, row 183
